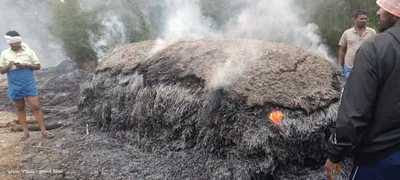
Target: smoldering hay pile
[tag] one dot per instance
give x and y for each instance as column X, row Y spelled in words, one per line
column 211, row 98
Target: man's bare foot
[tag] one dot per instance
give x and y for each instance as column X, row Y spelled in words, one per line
column 47, row 135
column 25, row 136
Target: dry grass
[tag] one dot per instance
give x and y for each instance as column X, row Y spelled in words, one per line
column 3, row 80
column 10, row 148
column 212, row 96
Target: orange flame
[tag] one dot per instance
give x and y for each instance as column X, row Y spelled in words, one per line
column 276, row 116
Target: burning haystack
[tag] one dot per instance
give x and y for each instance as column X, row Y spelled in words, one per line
column 255, row 109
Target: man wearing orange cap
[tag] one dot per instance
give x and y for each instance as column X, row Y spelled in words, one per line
column 368, row 122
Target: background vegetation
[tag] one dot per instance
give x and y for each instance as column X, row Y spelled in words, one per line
column 334, row 16
column 73, row 26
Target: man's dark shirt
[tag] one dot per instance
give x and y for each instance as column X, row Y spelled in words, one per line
column 368, row 122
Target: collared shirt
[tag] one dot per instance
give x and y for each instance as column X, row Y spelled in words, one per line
column 24, row 56
column 352, row 40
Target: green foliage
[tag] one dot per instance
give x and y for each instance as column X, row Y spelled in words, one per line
column 142, row 21
column 335, row 16
column 72, row 27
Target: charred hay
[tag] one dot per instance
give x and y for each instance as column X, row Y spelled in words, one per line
column 211, row 98
column 60, row 85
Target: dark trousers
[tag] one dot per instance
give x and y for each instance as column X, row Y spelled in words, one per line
column 387, row 169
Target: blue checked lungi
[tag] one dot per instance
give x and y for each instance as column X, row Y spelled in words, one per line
column 21, row 83
column 347, row 71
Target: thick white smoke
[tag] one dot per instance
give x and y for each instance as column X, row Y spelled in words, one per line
column 113, row 34
column 269, row 20
column 278, row 21
column 113, row 30
column 282, row 21
column 185, row 20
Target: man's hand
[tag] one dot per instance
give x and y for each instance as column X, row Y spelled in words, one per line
column 341, row 66
column 330, row 166
column 4, row 70
column 20, row 66
column 11, row 64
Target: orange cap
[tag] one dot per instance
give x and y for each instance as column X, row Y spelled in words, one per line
column 391, row 6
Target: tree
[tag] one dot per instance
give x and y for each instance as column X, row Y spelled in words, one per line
column 72, row 27
column 335, row 16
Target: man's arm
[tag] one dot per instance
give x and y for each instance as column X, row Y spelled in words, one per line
column 343, row 49
column 356, row 105
column 30, row 66
column 4, row 67
column 342, row 52
column 33, row 66
column 35, row 62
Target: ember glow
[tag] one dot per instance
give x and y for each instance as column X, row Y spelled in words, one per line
column 276, row 116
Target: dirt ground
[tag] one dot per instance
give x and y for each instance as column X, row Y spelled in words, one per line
column 15, row 153
column 10, row 148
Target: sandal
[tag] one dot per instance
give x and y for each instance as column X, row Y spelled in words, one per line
column 25, row 136
column 47, row 135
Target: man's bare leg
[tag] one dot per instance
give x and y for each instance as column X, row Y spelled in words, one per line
column 33, row 102
column 21, row 114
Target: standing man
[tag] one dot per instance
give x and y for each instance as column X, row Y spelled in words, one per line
column 352, row 39
column 19, row 62
column 368, row 122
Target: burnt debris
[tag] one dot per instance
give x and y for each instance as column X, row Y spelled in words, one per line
column 210, row 99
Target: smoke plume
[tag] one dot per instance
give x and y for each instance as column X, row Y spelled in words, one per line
column 277, row 21
column 125, row 21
